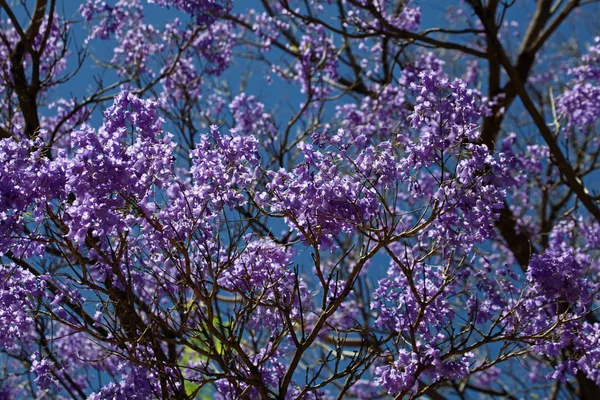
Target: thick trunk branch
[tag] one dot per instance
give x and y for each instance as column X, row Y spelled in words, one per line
column 27, row 91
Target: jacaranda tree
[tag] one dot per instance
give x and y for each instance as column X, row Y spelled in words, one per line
column 286, row 199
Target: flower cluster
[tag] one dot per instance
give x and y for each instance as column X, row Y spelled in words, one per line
column 105, row 173
column 465, row 180
column 317, row 61
column 317, row 198
column 580, row 104
column 205, row 11
column 560, row 276
column 28, row 182
column 251, row 119
column 265, row 27
column 137, row 381
column 112, row 19
column 261, row 272
column 221, row 170
column 18, row 291
column 382, row 16
column 270, row 369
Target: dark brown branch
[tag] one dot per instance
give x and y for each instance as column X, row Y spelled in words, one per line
column 27, row 91
column 571, row 178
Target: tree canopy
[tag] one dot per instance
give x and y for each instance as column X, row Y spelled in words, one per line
column 286, row 199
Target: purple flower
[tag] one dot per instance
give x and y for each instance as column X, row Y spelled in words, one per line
column 18, row 292
column 555, row 275
column 45, row 372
